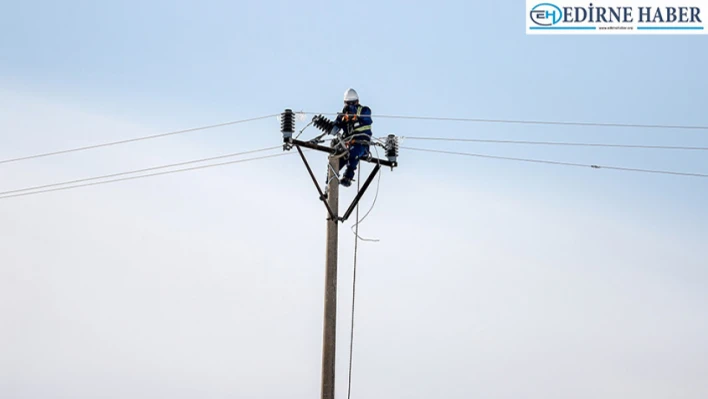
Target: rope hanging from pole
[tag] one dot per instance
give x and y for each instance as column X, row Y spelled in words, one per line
column 356, row 250
column 376, row 196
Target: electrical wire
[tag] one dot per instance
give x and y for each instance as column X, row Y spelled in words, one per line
column 529, row 122
column 414, row 117
column 659, row 147
column 559, row 163
column 351, row 331
column 378, row 184
column 136, row 171
column 356, row 250
column 144, row 176
column 303, row 129
column 90, row 147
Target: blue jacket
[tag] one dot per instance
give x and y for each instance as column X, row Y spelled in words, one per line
column 355, row 120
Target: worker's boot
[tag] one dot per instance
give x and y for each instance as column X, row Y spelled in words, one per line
column 346, row 181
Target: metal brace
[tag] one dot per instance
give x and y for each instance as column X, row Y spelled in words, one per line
column 335, row 153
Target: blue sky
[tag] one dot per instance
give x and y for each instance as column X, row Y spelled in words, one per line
column 78, row 72
column 177, row 64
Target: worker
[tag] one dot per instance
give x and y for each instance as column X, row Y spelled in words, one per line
column 355, row 121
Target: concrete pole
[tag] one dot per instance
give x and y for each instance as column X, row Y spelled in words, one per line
column 330, row 302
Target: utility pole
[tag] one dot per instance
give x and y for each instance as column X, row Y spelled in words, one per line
column 331, row 202
column 329, row 337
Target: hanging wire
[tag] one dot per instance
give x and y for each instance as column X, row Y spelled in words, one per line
column 378, row 184
column 351, row 331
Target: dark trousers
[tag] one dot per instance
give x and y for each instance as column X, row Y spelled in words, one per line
column 356, row 152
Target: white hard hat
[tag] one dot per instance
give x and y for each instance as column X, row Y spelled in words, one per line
column 350, row 95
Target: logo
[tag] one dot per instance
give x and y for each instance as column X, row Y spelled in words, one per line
column 546, row 14
column 633, row 17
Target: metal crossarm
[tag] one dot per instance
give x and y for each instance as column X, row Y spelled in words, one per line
column 331, row 150
column 289, row 142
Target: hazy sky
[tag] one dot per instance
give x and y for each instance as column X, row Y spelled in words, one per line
column 492, row 279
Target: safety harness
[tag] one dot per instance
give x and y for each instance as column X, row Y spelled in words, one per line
column 358, row 131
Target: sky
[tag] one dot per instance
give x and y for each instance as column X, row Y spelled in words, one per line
column 490, row 278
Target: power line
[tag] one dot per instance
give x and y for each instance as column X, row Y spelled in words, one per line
column 135, row 171
column 90, row 147
column 434, row 118
column 559, row 163
column 527, row 122
column 659, row 147
column 144, row 176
